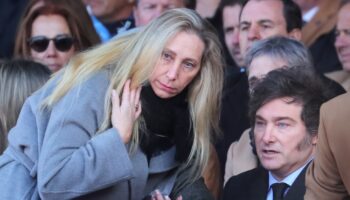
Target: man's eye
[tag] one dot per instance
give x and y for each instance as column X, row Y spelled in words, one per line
column 243, row 28
column 259, row 123
column 149, row 7
column 282, row 125
column 265, row 26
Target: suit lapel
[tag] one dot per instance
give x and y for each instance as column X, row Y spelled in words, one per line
column 297, row 190
column 259, row 187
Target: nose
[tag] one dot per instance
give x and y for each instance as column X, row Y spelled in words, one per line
column 235, row 38
column 173, row 71
column 158, row 12
column 254, row 33
column 269, row 135
column 51, row 50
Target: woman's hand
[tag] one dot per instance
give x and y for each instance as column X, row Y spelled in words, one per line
column 158, row 196
column 126, row 110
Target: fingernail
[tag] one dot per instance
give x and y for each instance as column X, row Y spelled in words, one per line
column 157, row 191
column 113, row 93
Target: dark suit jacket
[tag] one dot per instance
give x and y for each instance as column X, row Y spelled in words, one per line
column 234, row 111
column 253, row 185
column 318, row 35
column 10, row 13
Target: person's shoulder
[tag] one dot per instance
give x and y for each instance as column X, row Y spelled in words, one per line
column 244, row 179
column 341, row 101
column 247, row 176
column 241, row 185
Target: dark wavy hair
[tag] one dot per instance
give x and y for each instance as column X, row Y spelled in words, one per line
column 303, row 87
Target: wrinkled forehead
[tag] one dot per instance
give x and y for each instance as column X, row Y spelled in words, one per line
column 258, row 10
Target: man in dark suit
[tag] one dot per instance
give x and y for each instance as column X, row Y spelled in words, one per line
column 284, row 113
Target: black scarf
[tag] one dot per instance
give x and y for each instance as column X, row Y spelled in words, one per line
column 167, row 124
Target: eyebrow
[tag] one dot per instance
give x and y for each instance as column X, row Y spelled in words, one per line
column 185, row 59
column 266, row 21
column 262, row 21
column 258, row 117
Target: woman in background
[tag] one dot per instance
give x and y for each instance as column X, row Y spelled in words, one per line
column 52, row 31
column 18, row 80
column 81, row 135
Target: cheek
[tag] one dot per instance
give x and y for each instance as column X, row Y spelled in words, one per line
column 35, row 55
column 190, row 77
column 65, row 56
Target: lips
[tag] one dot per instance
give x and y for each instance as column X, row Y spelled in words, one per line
column 54, row 67
column 166, row 88
column 268, row 153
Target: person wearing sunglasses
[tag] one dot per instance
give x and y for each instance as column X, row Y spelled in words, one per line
column 52, row 31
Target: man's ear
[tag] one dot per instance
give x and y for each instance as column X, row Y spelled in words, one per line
column 295, row 34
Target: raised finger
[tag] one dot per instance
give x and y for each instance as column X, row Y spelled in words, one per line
column 115, row 99
column 126, row 92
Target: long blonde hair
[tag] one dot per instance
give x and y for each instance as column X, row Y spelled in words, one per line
column 134, row 56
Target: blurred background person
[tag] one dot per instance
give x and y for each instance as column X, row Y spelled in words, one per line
column 319, row 19
column 207, row 8
column 234, row 119
column 52, row 31
column 111, row 17
column 10, row 15
column 18, row 80
column 147, row 10
column 230, row 24
column 342, row 45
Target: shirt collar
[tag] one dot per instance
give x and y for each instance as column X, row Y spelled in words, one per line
column 310, row 14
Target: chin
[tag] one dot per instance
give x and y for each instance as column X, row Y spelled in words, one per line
column 163, row 95
column 270, row 165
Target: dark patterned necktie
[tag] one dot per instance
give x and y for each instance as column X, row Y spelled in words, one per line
column 278, row 190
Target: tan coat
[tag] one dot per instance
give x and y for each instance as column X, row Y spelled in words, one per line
column 342, row 77
column 323, row 22
column 240, row 157
column 328, row 177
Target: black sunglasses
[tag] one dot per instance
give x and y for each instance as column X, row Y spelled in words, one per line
column 40, row 43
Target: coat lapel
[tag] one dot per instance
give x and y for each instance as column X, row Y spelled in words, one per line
column 259, row 187
column 297, row 190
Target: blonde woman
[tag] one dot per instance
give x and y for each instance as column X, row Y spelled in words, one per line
column 91, row 132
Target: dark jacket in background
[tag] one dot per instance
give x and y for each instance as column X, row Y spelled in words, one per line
column 10, row 14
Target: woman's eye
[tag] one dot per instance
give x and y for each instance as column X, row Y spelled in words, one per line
column 166, row 56
column 189, row 65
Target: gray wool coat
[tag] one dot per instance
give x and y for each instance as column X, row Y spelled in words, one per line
column 57, row 154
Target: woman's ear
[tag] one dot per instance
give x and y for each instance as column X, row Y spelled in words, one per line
column 295, row 34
